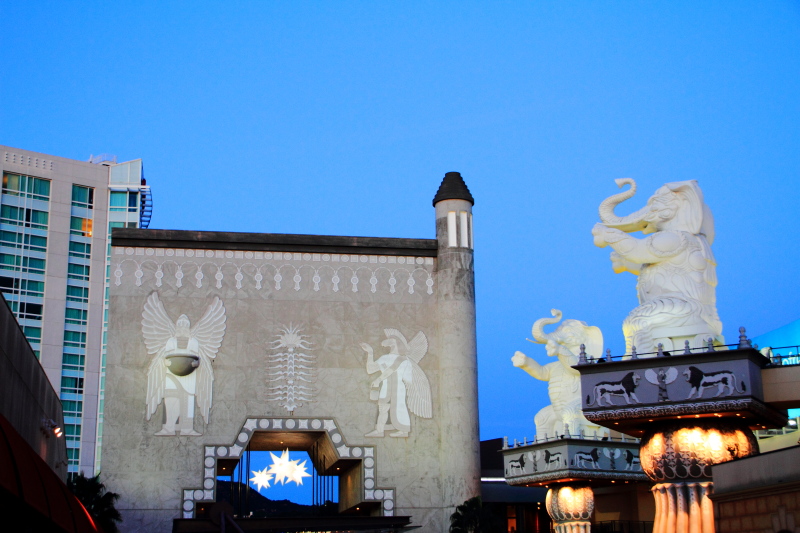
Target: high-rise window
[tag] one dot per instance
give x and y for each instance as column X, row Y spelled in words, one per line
column 80, row 226
column 18, row 263
column 26, row 186
column 13, row 239
column 80, row 249
column 124, row 201
column 79, row 272
column 23, row 216
column 82, row 196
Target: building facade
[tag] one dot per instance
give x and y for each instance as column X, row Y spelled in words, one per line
column 360, row 351
column 55, row 218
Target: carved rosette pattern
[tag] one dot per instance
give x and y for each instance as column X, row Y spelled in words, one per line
column 684, row 450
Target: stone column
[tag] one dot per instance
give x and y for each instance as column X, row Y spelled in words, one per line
column 570, row 506
column 459, row 453
column 678, row 456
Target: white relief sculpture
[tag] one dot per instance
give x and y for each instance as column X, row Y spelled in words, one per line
column 676, row 268
column 402, row 386
column 564, row 382
column 180, row 372
column 291, row 369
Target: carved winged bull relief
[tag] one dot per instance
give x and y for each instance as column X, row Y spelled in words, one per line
column 180, row 372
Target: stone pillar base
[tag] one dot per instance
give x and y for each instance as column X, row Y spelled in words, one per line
column 683, row 507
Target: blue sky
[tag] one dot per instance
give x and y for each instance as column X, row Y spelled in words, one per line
column 342, row 118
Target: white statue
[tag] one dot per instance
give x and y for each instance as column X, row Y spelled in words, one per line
column 402, row 386
column 564, row 414
column 180, row 372
column 676, row 269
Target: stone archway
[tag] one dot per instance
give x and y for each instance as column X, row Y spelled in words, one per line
column 357, row 482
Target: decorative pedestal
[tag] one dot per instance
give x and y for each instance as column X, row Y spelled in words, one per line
column 678, row 456
column 568, row 467
column 693, row 411
column 570, row 506
column 683, row 507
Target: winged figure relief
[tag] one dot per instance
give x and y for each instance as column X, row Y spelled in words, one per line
column 401, row 385
column 180, row 372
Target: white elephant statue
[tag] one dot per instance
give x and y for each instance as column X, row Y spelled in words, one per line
column 676, row 268
column 564, row 414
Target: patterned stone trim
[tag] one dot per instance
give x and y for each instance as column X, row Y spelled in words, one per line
column 385, row 496
column 281, row 270
column 576, row 474
column 684, row 408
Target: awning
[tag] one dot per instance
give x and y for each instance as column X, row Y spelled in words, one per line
column 32, row 493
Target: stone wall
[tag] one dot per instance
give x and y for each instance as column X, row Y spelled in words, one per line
column 333, row 303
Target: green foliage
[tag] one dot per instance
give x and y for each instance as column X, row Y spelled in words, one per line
column 97, row 500
column 472, row 517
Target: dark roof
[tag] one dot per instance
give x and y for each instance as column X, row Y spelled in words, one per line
column 453, row 188
column 223, row 240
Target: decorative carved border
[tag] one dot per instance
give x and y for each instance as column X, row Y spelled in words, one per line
column 683, row 408
column 570, row 473
column 278, row 268
column 386, row 496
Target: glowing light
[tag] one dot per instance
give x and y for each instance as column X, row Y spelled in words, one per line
column 261, row 479
column 285, row 470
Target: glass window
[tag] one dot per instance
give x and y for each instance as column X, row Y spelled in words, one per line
column 33, row 334
column 80, row 249
column 24, row 287
column 80, row 272
column 124, row 201
column 26, row 186
column 72, row 407
column 76, row 316
column 75, row 339
column 22, row 264
column 21, row 216
column 80, row 226
column 77, row 294
column 83, row 196
column 29, row 310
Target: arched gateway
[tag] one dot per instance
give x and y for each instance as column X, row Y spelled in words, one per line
column 360, row 349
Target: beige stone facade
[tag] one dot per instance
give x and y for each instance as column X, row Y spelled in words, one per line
column 299, row 314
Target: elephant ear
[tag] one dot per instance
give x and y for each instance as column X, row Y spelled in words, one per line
column 593, row 341
column 692, row 211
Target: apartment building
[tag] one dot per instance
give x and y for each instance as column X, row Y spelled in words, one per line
column 56, row 215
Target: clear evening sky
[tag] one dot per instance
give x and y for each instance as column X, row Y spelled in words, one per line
column 342, row 118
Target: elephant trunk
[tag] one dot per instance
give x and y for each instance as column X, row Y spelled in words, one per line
column 538, row 327
column 634, row 221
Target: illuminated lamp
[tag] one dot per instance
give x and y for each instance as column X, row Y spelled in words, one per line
column 678, row 456
column 570, row 507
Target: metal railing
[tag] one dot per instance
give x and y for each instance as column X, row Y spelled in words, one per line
column 539, row 439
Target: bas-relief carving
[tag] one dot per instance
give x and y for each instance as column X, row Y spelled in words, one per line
column 401, row 385
column 564, row 414
column 676, row 268
column 180, row 372
column 292, row 370
column 279, row 271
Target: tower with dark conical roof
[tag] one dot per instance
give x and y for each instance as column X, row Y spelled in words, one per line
column 458, row 362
